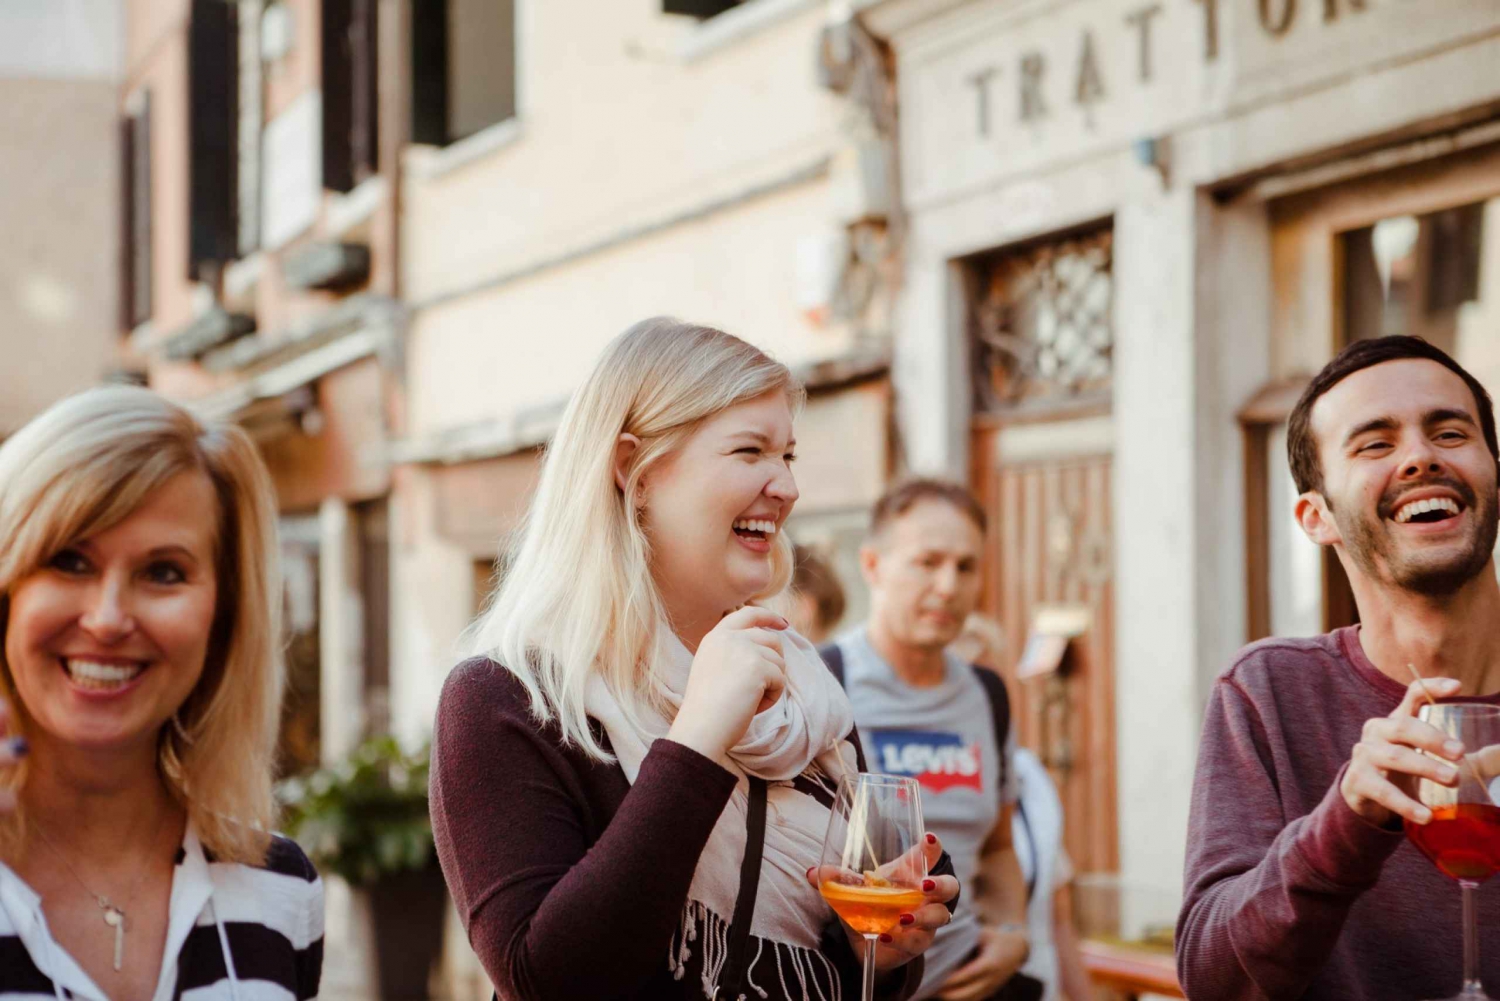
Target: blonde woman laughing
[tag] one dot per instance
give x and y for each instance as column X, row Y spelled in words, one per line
column 595, row 765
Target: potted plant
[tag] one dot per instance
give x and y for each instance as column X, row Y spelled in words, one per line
column 365, row 820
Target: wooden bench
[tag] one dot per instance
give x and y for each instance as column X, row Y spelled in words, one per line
column 1129, row 970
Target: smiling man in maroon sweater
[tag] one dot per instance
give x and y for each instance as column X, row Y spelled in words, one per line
column 1300, row 883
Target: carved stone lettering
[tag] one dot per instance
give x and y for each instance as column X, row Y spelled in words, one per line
column 981, row 82
column 1090, row 89
column 1331, row 8
column 1210, row 29
column 1269, row 20
column 1141, row 21
column 1033, row 68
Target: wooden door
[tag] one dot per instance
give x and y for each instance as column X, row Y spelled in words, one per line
column 1051, row 544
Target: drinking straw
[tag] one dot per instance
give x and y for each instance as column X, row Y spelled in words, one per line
column 1473, row 772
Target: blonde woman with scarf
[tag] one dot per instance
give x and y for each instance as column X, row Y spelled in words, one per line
column 593, row 763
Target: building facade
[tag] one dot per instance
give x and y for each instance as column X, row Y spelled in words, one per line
column 598, row 164
column 59, row 184
column 389, row 239
column 1136, row 227
column 261, row 284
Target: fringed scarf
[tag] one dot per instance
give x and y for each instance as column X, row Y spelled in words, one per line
column 799, row 747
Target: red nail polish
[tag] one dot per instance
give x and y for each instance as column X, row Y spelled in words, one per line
column 886, row 938
column 907, row 919
column 810, row 871
column 928, row 885
column 932, row 839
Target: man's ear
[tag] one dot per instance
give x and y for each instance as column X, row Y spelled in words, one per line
column 869, row 563
column 1316, row 519
column 625, row 448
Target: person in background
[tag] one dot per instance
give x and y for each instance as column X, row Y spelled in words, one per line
column 594, row 764
column 1036, row 831
column 1055, row 959
column 817, row 596
column 926, row 713
column 1299, row 881
column 141, row 664
column 981, row 642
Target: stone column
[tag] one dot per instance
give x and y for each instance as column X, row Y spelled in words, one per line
column 1192, row 301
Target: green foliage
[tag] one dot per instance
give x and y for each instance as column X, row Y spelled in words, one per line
column 365, row 817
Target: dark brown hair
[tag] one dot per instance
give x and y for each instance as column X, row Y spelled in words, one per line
column 1302, row 445
column 812, row 576
column 903, row 496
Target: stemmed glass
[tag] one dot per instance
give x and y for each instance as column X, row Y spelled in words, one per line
column 873, row 862
column 1463, row 837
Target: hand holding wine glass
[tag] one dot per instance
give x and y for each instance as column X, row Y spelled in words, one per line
column 1461, row 830
column 875, row 872
column 1379, row 783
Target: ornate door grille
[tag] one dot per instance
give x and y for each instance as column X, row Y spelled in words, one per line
column 1042, row 323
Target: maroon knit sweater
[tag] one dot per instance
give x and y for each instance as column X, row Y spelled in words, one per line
column 570, row 880
column 1289, row 893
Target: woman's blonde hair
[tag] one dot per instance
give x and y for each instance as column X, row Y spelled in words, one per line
column 85, row 465
column 578, row 597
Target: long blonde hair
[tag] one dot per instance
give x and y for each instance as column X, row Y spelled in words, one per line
column 578, row 597
column 85, row 465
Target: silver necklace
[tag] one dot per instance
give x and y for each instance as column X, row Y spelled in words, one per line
column 114, row 915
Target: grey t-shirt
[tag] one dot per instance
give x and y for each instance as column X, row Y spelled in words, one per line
column 944, row 737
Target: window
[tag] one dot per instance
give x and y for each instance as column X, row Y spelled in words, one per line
column 701, row 9
column 351, row 119
column 373, row 522
column 299, row 745
column 1414, row 275
column 463, row 68
column 135, row 229
column 213, row 126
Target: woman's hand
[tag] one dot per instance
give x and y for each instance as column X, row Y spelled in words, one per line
column 737, row 672
column 12, row 750
column 913, row 935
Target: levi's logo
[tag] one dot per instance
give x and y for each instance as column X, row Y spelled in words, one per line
column 938, row 761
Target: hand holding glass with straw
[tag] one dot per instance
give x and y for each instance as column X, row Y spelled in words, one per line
column 875, row 869
column 1463, row 837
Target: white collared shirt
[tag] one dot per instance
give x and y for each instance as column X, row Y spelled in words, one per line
column 235, row 932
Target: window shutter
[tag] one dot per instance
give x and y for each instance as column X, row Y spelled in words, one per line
column 136, row 293
column 364, row 42
column 127, row 223
column 338, row 96
column 698, row 8
column 213, row 120
column 429, row 65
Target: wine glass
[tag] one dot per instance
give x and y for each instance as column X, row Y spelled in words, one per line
column 873, row 860
column 1463, row 837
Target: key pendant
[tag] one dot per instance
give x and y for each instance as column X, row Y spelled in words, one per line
column 115, row 918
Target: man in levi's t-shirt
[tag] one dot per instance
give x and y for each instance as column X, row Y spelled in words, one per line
column 924, row 713
column 1300, row 882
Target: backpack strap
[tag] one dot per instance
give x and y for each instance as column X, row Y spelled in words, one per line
column 833, row 656
column 732, row 983
column 994, row 689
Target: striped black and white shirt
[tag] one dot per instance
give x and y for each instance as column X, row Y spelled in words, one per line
column 238, row 932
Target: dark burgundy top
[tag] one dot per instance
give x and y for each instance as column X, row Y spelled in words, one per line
column 1288, row 892
column 570, row 880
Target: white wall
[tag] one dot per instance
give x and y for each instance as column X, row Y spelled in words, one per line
column 62, row 39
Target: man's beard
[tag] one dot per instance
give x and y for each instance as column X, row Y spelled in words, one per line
column 1369, row 544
